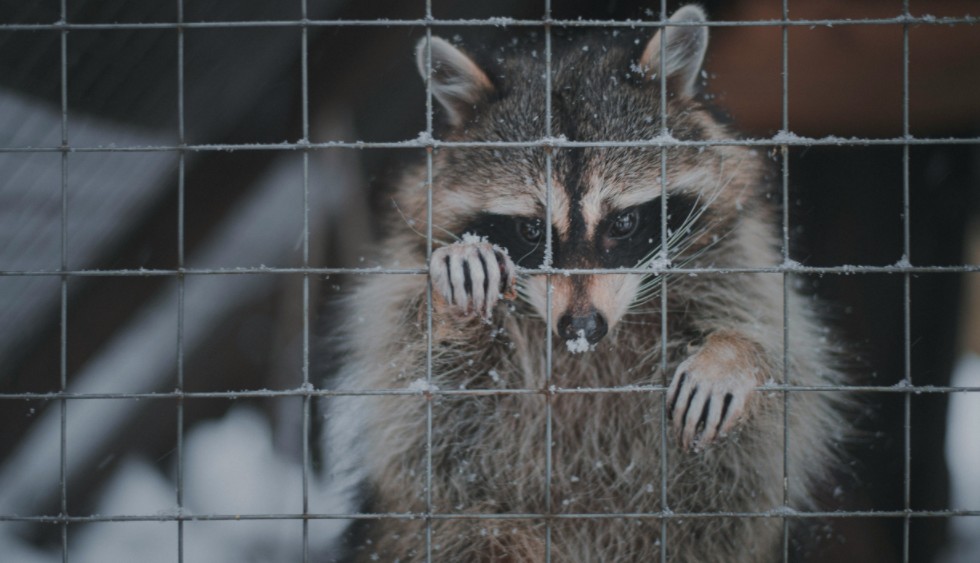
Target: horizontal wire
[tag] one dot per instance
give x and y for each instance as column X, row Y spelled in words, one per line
column 846, row 270
column 790, row 139
column 782, row 512
column 553, row 390
column 487, row 22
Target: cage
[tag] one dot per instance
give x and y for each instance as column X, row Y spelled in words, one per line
column 188, row 185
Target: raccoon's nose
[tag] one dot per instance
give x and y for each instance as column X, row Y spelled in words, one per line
column 591, row 325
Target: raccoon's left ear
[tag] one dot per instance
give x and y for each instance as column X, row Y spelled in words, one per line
column 457, row 82
column 684, row 48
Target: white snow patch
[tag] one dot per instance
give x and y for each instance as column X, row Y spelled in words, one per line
column 555, row 140
column 500, row 21
column 579, row 344
column 494, row 375
column 420, row 385
column 659, row 263
column 785, row 137
column 839, row 141
column 665, row 138
column 470, row 238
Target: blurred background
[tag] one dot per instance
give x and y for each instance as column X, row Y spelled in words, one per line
column 132, row 202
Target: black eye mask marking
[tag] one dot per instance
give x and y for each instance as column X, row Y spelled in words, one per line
column 627, row 251
column 611, row 249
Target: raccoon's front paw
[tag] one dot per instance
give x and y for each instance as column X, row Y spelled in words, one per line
column 469, row 277
column 712, row 390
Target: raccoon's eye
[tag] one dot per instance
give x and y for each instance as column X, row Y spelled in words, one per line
column 624, row 225
column 530, row 230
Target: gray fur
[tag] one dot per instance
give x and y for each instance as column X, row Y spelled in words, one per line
column 489, row 451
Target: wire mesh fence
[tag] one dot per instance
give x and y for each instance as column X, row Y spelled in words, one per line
column 62, row 401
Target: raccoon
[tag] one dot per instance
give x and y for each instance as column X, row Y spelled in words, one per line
column 478, row 442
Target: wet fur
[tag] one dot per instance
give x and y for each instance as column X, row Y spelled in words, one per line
column 608, row 449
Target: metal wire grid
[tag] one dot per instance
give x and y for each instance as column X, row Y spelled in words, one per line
column 784, row 139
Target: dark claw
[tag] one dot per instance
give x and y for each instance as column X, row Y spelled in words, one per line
column 673, row 402
column 688, row 408
column 502, row 264
column 449, row 276
column 486, row 276
column 724, row 411
column 467, row 281
column 703, row 419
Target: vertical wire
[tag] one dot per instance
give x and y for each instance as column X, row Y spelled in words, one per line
column 548, row 255
column 907, row 309
column 428, row 287
column 63, row 367
column 181, row 186
column 304, row 71
column 664, row 259
column 784, row 151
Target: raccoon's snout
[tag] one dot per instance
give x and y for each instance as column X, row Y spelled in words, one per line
column 592, row 325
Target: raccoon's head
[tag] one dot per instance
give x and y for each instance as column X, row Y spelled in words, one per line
column 606, row 208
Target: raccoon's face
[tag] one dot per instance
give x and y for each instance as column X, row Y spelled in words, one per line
column 606, row 205
column 614, row 234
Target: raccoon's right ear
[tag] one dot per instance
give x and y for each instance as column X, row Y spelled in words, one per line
column 684, row 46
column 457, row 82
